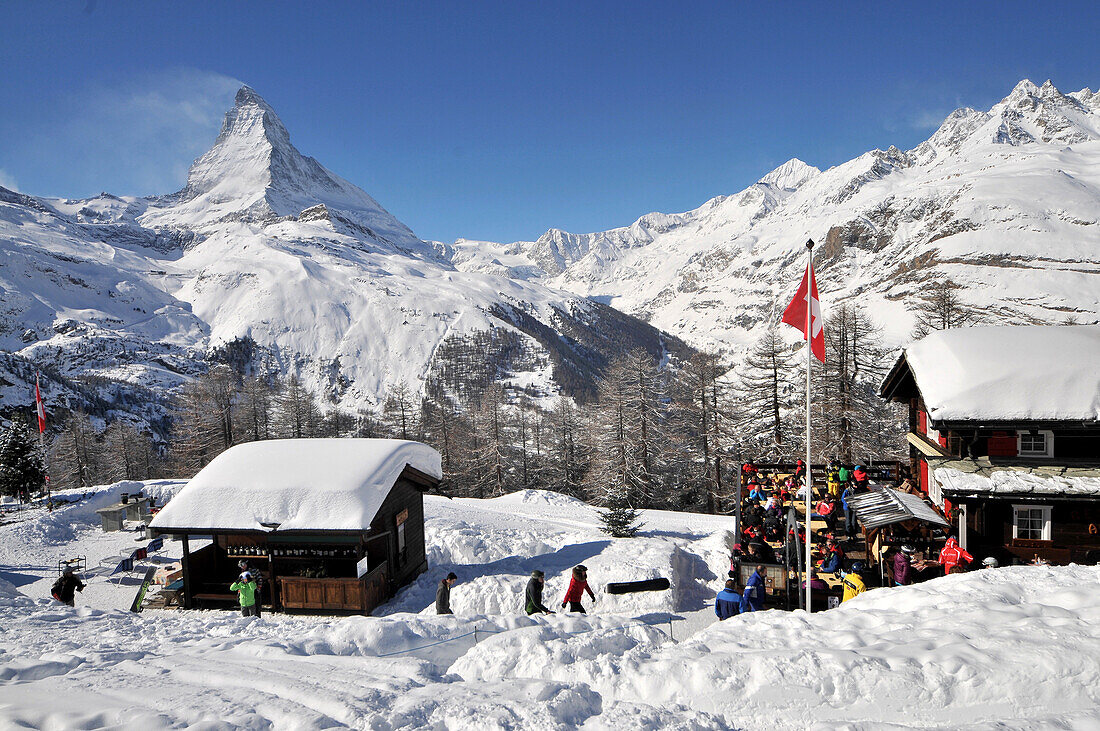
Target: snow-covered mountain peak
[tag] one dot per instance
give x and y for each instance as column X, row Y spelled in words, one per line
column 790, row 175
column 253, row 174
column 1031, row 113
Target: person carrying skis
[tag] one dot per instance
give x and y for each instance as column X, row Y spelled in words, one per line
column 951, row 556
column 752, row 600
column 245, row 586
column 534, row 594
column 578, row 584
column 63, row 589
column 728, row 602
column 443, row 594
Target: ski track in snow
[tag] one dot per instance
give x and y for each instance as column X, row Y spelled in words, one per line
column 1012, row 648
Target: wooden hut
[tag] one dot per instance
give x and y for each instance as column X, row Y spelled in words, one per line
column 333, row 525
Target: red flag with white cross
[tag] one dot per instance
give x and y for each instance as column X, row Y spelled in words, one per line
column 795, row 314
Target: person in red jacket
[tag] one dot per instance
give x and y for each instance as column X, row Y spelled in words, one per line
column 578, row 584
column 952, row 555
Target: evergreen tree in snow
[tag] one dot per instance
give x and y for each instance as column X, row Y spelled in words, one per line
column 21, row 471
column 620, row 521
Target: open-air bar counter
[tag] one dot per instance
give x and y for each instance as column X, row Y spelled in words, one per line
column 331, row 525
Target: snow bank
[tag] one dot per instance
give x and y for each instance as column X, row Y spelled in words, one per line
column 297, row 484
column 1014, row 643
column 64, row 523
column 1029, row 373
column 1013, row 647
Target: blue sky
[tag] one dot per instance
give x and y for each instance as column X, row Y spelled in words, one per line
column 500, row 120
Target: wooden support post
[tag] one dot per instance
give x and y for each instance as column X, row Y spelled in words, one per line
column 185, row 562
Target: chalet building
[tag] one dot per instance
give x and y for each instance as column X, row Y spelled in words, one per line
column 1004, row 432
column 331, row 525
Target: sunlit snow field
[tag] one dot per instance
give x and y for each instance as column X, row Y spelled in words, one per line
column 1010, row 648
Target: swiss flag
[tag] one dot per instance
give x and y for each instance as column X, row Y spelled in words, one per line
column 795, row 314
column 39, row 407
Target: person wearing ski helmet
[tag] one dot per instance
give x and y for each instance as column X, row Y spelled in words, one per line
column 852, row 582
column 245, row 586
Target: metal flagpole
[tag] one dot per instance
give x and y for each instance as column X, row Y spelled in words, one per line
column 809, row 470
column 40, row 412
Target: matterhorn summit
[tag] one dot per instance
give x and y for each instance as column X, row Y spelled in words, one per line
column 254, row 174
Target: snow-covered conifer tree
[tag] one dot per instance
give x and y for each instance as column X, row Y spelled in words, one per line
column 21, row 471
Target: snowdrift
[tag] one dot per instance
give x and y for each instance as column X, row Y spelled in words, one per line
column 1013, row 647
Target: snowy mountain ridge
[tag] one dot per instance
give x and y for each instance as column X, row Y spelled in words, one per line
column 269, row 254
column 1002, row 202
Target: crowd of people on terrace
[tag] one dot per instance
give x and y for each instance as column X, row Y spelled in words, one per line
column 765, row 535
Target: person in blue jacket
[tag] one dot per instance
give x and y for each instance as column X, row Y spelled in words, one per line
column 834, row 558
column 849, row 514
column 752, row 600
column 728, row 602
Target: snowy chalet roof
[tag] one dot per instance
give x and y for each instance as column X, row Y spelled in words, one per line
column 296, row 484
column 1027, row 373
column 978, row 477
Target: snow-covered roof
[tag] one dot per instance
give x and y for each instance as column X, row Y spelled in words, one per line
column 296, row 484
column 1018, row 482
column 1028, row 373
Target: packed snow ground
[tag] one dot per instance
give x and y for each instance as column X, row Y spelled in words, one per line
column 1009, row 648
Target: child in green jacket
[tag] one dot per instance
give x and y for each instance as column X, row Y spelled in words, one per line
column 245, row 587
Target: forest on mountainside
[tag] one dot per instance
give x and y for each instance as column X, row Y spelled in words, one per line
column 655, row 433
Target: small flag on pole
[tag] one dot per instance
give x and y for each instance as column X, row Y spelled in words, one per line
column 39, row 407
column 795, row 314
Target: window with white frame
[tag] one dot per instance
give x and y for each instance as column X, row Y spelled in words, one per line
column 1035, row 443
column 1031, row 522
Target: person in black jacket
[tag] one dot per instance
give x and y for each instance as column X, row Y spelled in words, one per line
column 64, row 588
column 534, row 594
column 443, row 594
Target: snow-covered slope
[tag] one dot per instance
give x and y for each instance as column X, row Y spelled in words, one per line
column 266, row 246
column 1004, row 648
column 1003, row 202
